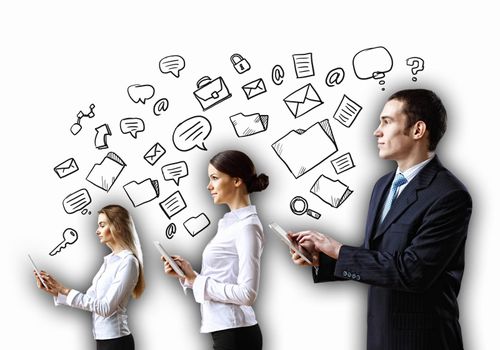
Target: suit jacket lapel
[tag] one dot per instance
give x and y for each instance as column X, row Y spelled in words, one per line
column 409, row 195
column 375, row 206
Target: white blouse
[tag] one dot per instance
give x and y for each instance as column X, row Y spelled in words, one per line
column 229, row 280
column 108, row 296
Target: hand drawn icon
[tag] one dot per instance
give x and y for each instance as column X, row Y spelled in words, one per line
column 347, row 111
column 302, row 150
column 70, row 236
column 246, row 125
column 142, row 192
column 66, row 168
column 173, row 204
column 277, row 74
column 132, row 126
column 372, row 63
column 170, row 230
column 303, row 64
column 172, row 64
column 195, row 225
column 299, row 206
column 154, row 154
column 101, row 136
column 240, row 64
column 105, row 173
column 211, row 92
column 254, row 88
column 76, row 127
column 332, row 192
column 417, row 65
column 335, row 77
column 160, row 106
column 343, row 163
column 140, row 93
column 77, row 201
column 175, row 171
column 192, row 133
column 303, row 100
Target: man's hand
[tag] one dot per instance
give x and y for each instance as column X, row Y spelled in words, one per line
column 319, row 242
column 308, row 248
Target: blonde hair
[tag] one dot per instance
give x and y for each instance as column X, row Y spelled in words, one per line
column 121, row 228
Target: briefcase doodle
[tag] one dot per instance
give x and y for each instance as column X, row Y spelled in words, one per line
column 211, row 92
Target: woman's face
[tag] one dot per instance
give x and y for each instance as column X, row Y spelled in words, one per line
column 104, row 229
column 222, row 187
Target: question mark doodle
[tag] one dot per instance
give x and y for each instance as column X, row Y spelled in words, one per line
column 417, row 65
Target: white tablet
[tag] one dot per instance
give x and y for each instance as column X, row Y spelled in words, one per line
column 37, row 272
column 171, row 261
column 292, row 245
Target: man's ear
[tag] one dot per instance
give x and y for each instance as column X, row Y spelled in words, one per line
column 419, row 130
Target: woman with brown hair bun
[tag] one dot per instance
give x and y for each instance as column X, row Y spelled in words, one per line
column 228, row 282
column 120, row 276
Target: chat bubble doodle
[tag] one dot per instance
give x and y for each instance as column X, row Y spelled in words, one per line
column 192, row 133
column 335, row 77
column 172, row 64
column 372, row 63
column 196, row 224
column 140, row 93
column 175, row 171
column 132, row 126
column 77, row 201
column 160, row 106
column 416, row 64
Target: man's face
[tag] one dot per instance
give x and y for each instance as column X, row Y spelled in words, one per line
column 393, row 139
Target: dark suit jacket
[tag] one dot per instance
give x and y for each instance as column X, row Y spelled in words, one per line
column 413, row 262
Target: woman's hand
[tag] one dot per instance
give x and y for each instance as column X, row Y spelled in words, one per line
column 184, row 265
column 54, row 287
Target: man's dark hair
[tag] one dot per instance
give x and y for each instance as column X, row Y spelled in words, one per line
column 424, row 105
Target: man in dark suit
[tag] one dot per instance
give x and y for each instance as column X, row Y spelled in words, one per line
column 413, row 252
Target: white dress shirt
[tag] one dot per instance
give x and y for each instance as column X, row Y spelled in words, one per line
column 108, row 296
column 229, row 280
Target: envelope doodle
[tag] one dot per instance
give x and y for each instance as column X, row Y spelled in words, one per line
column 302, row 150
column 254, row 88
column 66, row 168
column 105, row 173
column 154, row 154
column 246, row 125
column 303, row 100
column 142, row 192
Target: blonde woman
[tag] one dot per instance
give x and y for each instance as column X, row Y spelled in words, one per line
column 120, row 276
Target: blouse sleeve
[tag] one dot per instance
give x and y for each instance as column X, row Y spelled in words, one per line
column 249, row 245
column 123, row 283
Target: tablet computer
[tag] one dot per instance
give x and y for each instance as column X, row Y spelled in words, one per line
column 37, row 272
column 292, row 245
column 171, row 261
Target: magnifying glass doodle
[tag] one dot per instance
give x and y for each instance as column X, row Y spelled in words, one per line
column 299, row 206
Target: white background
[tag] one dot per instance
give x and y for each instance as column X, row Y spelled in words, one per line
column 57, row 58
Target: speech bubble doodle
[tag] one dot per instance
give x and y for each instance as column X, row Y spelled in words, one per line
column 140, row 93
column 132, row 126
column 416, row 64
column 160, row 106
column 77, row 201
column 172, row 64
column 372, row 63
column 335, row 77
column 192, row 133
column 175, row 171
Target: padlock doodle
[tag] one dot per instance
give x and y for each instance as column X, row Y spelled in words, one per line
column 240, row 64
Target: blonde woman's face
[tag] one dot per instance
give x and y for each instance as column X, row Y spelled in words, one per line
column 103, row 229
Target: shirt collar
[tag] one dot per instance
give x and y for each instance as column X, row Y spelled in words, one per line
column 410, row 173
column 241, row 213
column 120, row 255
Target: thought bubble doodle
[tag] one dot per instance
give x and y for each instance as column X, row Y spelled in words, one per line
column 192, row 133
column 175, row 171
column 132, row 126
column 140, row 93
column 172, row 64
column 372, row 63
column 77, row 201
column 160, row 106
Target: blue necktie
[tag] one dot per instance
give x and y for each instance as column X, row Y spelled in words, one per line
column 398, row 181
